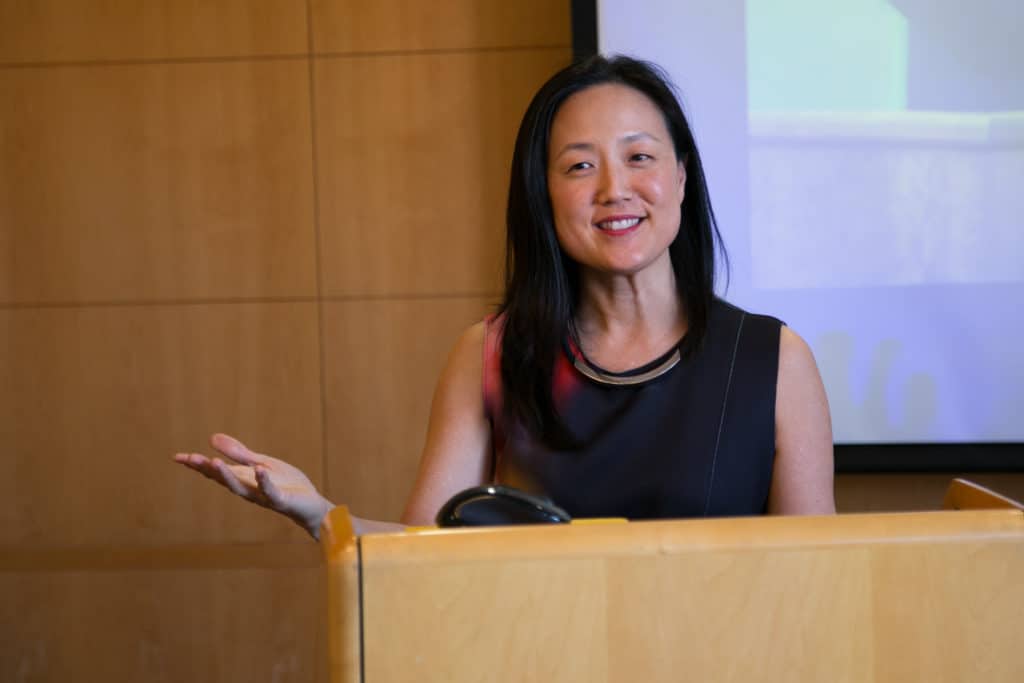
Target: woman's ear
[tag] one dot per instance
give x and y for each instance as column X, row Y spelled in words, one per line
column 682, row 178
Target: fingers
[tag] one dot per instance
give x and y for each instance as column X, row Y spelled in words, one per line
column 235, row 450
column 194, row 461
column 228, row 478
column 239, row 479
column 199, row 463
column 268, row 487
column 250, row 479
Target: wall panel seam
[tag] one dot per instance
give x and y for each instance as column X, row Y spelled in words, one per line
column 439, row 51
column 190, row 556
column 290, row 56
column 339, row 298
column 147, row 303
column 412, row 296
column 317, row 248
column 230, row 59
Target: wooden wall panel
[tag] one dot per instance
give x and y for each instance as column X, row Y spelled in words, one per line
column 200, row 625
column 913, row 491
column 94, row 401
column 382, row 362
column 393, row 25
column 413, row 168
column 156, row 189
column 81, row 30
column 160, row 181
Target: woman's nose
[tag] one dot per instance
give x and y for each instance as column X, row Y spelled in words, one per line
column 613, row 185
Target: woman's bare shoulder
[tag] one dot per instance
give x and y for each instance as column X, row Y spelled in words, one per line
column 469, row 346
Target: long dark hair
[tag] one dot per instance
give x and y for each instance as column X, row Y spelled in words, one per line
column 542, row 282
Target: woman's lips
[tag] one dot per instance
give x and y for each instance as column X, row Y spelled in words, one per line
column 619, row 225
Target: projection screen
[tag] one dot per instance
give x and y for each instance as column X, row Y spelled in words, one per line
column 866, row 166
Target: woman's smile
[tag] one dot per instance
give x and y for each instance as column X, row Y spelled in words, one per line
column 619, row 225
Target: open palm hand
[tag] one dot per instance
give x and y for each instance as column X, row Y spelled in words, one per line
column 263, row 480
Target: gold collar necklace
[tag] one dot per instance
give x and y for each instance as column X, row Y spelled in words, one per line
column 580, row 362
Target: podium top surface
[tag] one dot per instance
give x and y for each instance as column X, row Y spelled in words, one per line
column 676, row 536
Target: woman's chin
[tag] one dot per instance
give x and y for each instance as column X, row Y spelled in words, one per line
column 627, row 266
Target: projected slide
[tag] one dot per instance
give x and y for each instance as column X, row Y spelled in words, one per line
column 909, row 196
column 866, row 164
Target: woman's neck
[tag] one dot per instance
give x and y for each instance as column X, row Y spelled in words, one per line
column 626, row 321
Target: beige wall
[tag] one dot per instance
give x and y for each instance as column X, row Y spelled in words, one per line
column 268, row 218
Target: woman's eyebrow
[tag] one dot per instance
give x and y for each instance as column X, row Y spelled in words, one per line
column 576, row 147
column 633, row 137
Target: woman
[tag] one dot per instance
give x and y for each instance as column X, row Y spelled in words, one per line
column 611, row 380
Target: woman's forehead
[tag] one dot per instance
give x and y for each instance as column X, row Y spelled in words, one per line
column 605, row 112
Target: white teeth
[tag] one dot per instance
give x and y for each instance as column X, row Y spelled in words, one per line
column 623, row 224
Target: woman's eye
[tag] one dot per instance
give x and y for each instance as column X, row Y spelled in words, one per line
column 640, row 156
column 581, row 166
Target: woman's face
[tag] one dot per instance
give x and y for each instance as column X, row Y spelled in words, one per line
column 615, row 184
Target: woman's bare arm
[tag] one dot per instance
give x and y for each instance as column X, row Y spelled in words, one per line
column 802, row 480
column 457, row 452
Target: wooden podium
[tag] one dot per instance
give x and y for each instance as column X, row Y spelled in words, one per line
column 928, row 596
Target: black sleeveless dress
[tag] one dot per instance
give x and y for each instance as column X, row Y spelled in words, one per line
column 698, row 440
